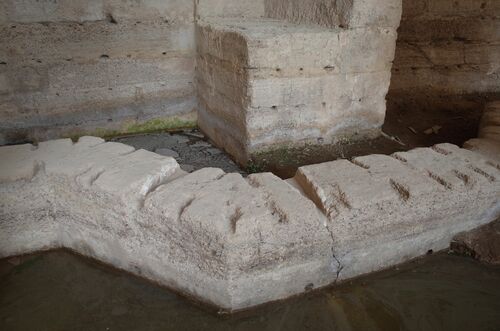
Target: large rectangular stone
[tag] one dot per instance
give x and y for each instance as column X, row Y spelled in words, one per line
column 283, row 83
column 412, row 201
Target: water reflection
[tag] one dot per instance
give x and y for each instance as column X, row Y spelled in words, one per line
column 59, row 291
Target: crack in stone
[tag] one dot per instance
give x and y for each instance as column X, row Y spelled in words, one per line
column 336, row 261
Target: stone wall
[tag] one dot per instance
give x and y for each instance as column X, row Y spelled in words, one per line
column 101, row 66
column 447, row 55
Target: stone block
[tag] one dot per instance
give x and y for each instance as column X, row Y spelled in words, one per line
column 235, row 242
column 289, row 84
column 376, row 200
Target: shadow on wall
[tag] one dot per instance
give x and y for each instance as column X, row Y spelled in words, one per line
column 447, row 56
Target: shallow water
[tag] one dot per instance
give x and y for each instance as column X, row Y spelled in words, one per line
column 60, row 291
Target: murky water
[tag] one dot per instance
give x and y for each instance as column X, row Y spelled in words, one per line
column 59, row 291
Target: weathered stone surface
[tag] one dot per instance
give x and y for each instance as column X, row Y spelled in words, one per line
column 229, row 8
column 267, row 83
column 384, row 210
column 446, row 49
column 29, row 11
column 482, row 244
column 333, row 13
column 237, row 242
column 488, row 143
column 329, row 13
column 210, row 234
column 99, row 67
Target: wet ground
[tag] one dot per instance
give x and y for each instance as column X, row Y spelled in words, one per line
column 60, row 291
column 403, row 130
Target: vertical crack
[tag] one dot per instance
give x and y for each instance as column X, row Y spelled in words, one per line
column 335, row 260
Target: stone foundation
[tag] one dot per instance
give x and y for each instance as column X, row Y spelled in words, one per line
column 239, row 242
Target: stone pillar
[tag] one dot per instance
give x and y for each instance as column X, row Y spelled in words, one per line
column 304, row 74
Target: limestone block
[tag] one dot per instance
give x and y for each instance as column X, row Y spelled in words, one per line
column 234, row 242
column 375, row 200
column 284, row 83
column 451, row 167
